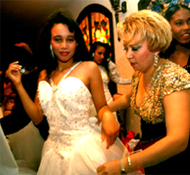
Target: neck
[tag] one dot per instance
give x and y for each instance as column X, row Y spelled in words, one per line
column 177, row 43
column 180, row 55
column 181, row 48
column 146, row 76
column 65, row 65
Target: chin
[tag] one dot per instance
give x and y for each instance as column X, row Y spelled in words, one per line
column 185, row 41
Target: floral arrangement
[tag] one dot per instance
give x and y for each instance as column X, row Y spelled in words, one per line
column 131, row 140
column 161, row 6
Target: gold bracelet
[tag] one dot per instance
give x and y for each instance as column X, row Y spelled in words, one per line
column 122, row 167
column 129, row 163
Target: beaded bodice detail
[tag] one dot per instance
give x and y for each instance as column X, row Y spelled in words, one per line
column 169, row 77
column 66, row 107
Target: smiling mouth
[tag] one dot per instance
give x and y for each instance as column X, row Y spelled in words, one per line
column 64, row 53
column 186, row 36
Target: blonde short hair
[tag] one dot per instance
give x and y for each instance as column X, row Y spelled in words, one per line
column 148, row 26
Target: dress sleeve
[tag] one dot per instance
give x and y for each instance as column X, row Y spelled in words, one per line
column 175, row 79
column 115, row 76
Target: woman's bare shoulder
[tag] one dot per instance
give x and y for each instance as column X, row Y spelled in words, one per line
column 42, row 75
column 90, row 66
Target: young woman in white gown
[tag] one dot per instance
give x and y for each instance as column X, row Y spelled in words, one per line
column 65, row 90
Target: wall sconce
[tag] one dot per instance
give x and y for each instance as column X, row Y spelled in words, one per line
column 115, row 6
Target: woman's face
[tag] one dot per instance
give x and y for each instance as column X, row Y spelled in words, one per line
column 139, row 56
column 99, row 54
column 180, row 24
column 63, row 42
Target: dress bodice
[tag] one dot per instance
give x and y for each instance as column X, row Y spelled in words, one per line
column 66, row 106
column 169, row 77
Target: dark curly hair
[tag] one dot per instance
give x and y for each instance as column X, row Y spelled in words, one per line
column 43, row 51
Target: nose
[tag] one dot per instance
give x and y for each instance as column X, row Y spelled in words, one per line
column 102, row 56
column 186, row 26
column 64, row 44
column 129, row 53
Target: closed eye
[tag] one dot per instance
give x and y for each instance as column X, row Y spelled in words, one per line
column 136, row 48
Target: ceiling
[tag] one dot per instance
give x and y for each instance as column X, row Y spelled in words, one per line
column 22, row 19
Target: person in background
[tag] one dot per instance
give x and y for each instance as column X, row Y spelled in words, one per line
column 159, row 95
column 178, row 15
column 100, row 54
column 65, row 90
column 14, row 116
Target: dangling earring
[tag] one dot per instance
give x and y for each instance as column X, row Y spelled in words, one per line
column 93, row 55
column 156, row 57
column 51, row 50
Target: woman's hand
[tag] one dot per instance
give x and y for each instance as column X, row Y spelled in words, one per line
column 13, row 73
column 110, row 168
column 110, row 128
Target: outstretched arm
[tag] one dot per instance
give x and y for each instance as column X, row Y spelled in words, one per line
column 32, row 109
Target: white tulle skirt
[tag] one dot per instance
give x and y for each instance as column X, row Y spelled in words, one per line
column 83, row 159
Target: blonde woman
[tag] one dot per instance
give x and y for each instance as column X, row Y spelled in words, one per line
column 160, row 96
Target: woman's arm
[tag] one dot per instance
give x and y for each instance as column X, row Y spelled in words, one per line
column 110, row 127
column 121, row 103
column 115, row 76
column 32, row 109
column 177, row 112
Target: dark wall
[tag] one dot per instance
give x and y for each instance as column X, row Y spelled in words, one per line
column 13, row 32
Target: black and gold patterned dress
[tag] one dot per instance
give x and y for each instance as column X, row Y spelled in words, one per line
column 168, row 78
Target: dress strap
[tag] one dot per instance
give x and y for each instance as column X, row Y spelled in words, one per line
column 70, row 70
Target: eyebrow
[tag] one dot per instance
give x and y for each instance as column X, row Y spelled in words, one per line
column 178, row 20
column 66, row 36
column 132, row 45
